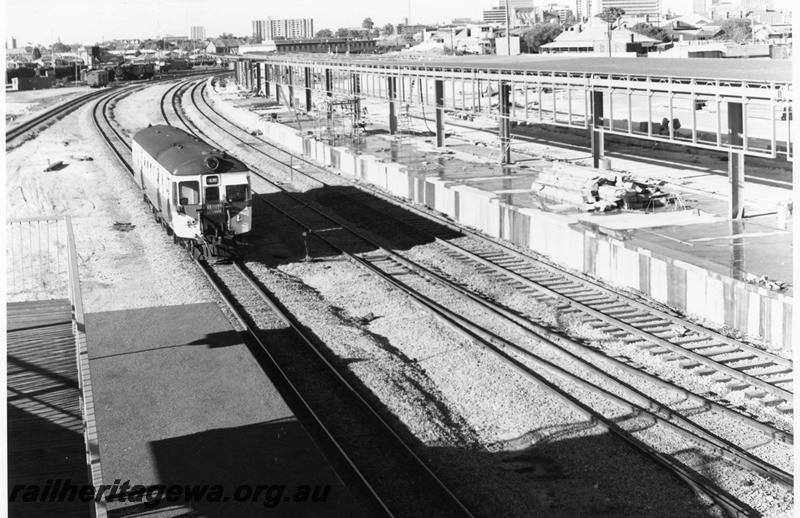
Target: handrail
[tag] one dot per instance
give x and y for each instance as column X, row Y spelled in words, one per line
column 74, row 280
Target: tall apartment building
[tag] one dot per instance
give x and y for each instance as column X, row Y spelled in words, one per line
column 583, row 9
column 634, row 7
column 495, row 15
column 197, row 33
column 297, row 28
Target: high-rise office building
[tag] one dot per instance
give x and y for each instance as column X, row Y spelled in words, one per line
column 289, row 29
column 634, row 7
column 197, row 33
column 517, row 4
column 583, row 9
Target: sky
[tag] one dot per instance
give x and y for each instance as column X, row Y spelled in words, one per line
column 85, row 21
column 89, row 21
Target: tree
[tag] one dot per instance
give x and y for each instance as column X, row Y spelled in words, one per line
column 60, row 47
column 388, row 29
column 225, row 35
column 657, row 33
column 367, row 24
column 37, row 53
column 611, row 14
column 547, row 16
column 540, row 34
column 324, row 33
column 343, row 32
column 735, row 29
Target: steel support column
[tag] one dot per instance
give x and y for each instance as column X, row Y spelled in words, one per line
column 278, row 83
column 258, row 78
column 307, row 74
column 328, row 82
column 439, row 91
column 355, row 80
column 329, row 90
column 504, row 106
column 290, row 82
column 736, row 160
column 597, row 127
column 392, row 89
column 267, row 79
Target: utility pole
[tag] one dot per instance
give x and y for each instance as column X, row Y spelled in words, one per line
column 508, row 29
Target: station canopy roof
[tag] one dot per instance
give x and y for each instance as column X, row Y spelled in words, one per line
column 749, row 70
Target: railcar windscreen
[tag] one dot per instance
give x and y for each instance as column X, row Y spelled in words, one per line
column 236, row 193
column 190, row 193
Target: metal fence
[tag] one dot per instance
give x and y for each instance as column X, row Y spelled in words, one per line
column 41, row 264
column 37, row 258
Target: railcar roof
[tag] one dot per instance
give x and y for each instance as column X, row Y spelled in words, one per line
column 182, row 154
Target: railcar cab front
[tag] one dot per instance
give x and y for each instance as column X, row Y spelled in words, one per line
column 215, row 203
column 201, row 194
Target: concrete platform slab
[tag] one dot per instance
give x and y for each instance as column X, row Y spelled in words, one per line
column 181, row 401
column 741, row 249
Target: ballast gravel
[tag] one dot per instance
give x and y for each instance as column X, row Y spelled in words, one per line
column 494, row 437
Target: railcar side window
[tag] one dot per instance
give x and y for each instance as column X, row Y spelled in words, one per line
column 189, row 193
column 236, row 193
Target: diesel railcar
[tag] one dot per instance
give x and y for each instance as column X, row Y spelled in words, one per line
column 200, row 194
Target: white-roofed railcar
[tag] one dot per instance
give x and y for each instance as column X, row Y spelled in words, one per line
column 200, row 194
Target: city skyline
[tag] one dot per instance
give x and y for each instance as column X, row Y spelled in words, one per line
column 89, row 21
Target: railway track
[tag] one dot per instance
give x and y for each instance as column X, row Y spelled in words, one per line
column 518, row 357
column 63, row 109
column 728, row 363
column 48, row 116
column 363, row 444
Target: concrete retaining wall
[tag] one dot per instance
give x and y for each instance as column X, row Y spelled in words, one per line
column 689, row 288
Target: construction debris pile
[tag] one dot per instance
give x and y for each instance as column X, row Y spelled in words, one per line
column 595, row 190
